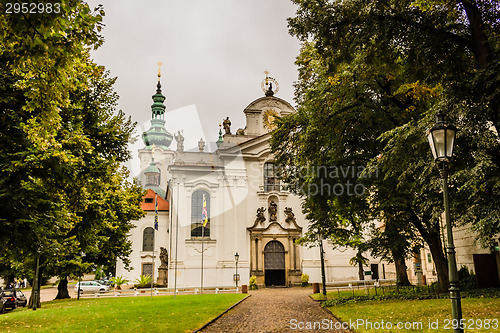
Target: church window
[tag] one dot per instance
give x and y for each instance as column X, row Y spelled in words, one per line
column 153, row 179
column 147, row 269
column 148, row 237
column 197, row 215
column 271, row 180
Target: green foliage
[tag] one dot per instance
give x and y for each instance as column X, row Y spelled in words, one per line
column 253, row 282
column 372, row 74
column 144, row 281
column 411, row 294
column 66, row 196
column 466, row 279
column 304, row 279
column 118, row 281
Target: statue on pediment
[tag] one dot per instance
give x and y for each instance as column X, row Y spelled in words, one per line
column 227, row 125
column 273, row 211
column 290, row 216
column 180, row 141
column 260, row 215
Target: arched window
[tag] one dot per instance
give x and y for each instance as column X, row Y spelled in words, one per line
column 197, row 216
column 148, row 238
column 271, row 180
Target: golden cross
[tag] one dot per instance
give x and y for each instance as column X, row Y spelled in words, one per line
column 267, row 76
column 159, row 68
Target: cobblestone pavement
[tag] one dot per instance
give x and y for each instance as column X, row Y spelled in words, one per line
column 275, row 310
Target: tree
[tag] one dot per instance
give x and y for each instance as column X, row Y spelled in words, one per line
column 384, row 68
column 61, row 146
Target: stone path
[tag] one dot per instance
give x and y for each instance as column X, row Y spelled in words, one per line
column 276, row 310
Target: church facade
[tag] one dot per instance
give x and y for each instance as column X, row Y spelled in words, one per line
column 226, row 210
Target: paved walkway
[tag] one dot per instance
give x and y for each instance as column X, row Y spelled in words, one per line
column 276, row 310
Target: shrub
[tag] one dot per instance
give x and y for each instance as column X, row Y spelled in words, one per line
column 466, row 279
column 305, row 280
column 118, row 281
column 143, row 281
column 253, row 282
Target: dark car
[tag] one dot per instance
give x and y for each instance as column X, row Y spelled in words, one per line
column 8, row 301
column 11, row 299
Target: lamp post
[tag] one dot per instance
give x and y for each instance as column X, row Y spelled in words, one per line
column 236, row 258
column 441, row 139
column 80, row 278
column 319, row 237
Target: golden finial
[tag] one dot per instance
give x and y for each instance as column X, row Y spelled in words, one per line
column 267, row 77
column 153, row 151
column 159, row 68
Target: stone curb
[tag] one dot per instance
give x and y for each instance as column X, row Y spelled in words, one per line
column 327, row 310
column 220, row 315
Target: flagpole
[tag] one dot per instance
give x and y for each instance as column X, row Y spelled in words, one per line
column 176, row 241
column 204, row 221
column 155, row 228
column 202, row 253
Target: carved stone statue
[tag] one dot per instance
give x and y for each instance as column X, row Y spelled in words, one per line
column 201, row 145
column 163, row 257
column 260, row 215
column 227, row 125
column 162, row 279
column 290, row 216
column 180, row 141
column 273, row 210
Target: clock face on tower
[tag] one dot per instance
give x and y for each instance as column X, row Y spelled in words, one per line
column 269, row 116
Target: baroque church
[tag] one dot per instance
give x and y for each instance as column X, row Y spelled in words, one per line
column 251, row 223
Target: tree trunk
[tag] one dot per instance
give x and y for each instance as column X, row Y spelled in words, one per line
column 35, row 287
column 62, row 289
column 430, row 234
column 361, row 273
column 401, row 271
column 440, row 263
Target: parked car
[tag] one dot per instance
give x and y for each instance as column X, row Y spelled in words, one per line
column 8, row 300
column 90, row 287
column 21, row 299
column 105, row 282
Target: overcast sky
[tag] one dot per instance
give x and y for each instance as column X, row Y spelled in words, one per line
column 214, row 53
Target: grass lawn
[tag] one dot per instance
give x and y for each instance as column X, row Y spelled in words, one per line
column 475, row 311
column 120, row 314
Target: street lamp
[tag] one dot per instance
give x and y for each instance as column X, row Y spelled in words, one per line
column 319, row 237
column 441, row 139
column 236, row 258
column 80, row 278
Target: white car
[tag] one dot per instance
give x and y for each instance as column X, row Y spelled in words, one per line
column 90, row 287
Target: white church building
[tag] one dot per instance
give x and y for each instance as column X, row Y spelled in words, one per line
column 249, row 212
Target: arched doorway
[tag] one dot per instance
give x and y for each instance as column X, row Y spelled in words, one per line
column 274, row 264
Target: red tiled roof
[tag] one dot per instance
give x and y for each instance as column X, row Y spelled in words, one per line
column 150, row 206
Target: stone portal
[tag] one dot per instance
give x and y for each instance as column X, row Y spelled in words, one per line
column 274, row 256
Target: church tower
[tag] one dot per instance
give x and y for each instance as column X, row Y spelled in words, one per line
column 156, row 154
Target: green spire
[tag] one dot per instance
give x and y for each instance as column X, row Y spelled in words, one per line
column 219, row 140
column 157, row 134
column 158, row 108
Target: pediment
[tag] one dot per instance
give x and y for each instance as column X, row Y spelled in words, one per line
column 273, row 102
column 274, row 228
